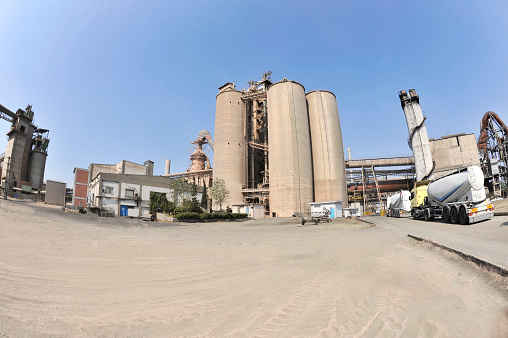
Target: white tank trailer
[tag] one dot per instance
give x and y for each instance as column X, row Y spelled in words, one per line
column 398, row 203
column 457, row 198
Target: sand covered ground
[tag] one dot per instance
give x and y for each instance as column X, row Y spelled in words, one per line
column 79, row 275
column 501, row 206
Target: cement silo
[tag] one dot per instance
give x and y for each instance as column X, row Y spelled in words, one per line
column 327, row 149
column 38, row 163
column 289, row 157
column 229, row 156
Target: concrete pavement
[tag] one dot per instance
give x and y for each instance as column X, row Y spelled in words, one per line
column 487, row 241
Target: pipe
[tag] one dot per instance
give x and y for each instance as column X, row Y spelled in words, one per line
column 380, row 162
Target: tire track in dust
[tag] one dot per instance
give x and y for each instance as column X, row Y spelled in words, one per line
column 297, row 303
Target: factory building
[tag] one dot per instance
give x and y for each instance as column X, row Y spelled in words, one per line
column 129, row 194
column 123, row 167
column 24, row 160
column 280, row 147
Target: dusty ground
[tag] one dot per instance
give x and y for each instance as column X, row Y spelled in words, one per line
column 501, row 206
column 78, row 275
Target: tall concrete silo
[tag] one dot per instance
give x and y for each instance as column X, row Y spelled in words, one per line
column 289, row 157
column 229, row 156
column 327, row 148
column 38, row 164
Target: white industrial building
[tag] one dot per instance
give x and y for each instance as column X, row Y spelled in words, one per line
column 334, row 207
column 129, row 195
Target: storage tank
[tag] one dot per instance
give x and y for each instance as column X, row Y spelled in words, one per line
column 38, row 164
column 289, row 157
column 327, row 148
column 229, row 156
column 466, row 185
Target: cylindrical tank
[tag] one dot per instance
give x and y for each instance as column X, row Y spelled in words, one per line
column 229, row 156
column 168, row 166
column 37, row 168
column 327, row 148
column 289, row 157
column 458, row 186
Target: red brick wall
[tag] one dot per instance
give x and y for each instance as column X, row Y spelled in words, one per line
column 82, row 176
column 77, row 200
column 80, row 191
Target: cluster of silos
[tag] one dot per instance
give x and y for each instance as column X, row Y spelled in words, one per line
column 305, row 151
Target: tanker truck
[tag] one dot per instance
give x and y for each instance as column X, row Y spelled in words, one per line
column 398, row 203
column 458, row 197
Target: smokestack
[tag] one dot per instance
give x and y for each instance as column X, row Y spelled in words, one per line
column 168, row 165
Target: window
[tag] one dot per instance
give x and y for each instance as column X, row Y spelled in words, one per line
column 129, row 193
column 108, row 190
column 22, row 129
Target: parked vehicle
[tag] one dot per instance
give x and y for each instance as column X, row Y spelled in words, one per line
column 398, row 203
column 457, row 198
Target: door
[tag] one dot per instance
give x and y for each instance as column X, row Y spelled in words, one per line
column 332, row 212
column 124, row 210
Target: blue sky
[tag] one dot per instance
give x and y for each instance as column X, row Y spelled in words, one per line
column 137, row 79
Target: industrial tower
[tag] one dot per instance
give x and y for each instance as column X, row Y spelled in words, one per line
column 24, row 160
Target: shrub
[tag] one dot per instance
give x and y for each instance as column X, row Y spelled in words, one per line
column 207, row 215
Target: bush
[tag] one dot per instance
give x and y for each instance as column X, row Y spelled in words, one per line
column 188, row 206
column 207, row 215
column 159, row 203
column 188, row 215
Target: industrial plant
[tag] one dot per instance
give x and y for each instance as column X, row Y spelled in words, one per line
column 279, row 150
column 278, row 146
column 24, row 160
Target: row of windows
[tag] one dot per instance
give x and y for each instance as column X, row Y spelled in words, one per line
column 128, row 192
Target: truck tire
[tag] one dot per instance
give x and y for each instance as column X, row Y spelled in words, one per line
column 454, row 215
column 463, row 218
column 428, row 217
column 413, row 213
column 446, row 214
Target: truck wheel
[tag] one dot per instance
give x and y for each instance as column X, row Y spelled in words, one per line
column 463, row 218
column 454, row 215
column 446, row 214
column 303, row 222
column 426, row 213
column 413, row 213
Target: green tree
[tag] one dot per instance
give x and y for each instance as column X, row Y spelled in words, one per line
column 159, row 203
column 204, row 198
column 181, row 188
column 219, row 192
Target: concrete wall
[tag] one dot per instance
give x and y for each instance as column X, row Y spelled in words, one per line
column 453, row 152
column 55, row 192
